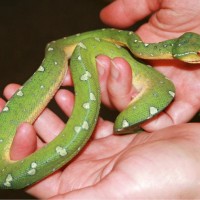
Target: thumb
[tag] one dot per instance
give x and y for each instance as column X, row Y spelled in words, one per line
column 124, row 13
column 24, row 142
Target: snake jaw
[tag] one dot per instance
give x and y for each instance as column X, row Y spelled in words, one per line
column 188, row 57
column 193, row 59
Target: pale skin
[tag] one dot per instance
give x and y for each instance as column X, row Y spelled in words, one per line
column 162, row 162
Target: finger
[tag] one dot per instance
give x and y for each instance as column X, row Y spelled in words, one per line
column 10, row 89
column 174, row 114
column 103, row 66
column 162, row 120
column 177, row 113
column 103, row 129
column 65, row 100
column 25, row 142
column 48, row 125
column 124, row 13
column 2, row 104
column 120, row 86
column 68, row 79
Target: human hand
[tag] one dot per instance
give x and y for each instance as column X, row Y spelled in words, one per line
column 135, row 165
column 169, row 19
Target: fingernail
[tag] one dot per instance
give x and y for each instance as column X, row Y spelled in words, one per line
column 114, row 70
column 100, row 67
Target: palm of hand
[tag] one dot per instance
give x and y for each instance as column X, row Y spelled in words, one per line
column 170, row 22
column 137, row 163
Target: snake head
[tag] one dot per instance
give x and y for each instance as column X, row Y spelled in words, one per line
column 187, row 48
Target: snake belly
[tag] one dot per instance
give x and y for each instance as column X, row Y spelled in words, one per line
column 155, row 92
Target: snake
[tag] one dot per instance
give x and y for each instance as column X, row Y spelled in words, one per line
column 154, row 93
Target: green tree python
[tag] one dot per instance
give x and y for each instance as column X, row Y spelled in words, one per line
column 155, row 92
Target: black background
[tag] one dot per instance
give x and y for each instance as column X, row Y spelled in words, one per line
column 26, row 26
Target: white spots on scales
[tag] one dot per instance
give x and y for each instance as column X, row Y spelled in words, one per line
column 92, row 97
column 82, row 45
column 61, row 151
column 172, row 93
column 20, row 93
column 84, row 126
column 41, row 69
column 77, row 129
column 50, row 49
column 153, row 110
column 32, row 171
column 125, row 123
column 86, row 105
column 97, row 39
column 86, row 76
column 5, row 109
column 8, row 180
column 79, row 58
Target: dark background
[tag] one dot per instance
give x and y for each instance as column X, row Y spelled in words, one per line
column 26, row 26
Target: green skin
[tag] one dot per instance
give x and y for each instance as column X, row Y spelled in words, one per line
column 155, row 92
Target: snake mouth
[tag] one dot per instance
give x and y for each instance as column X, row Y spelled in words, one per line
column 194, row 61
column 192, row 58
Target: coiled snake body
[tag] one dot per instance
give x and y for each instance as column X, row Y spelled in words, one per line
column 155, row 92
